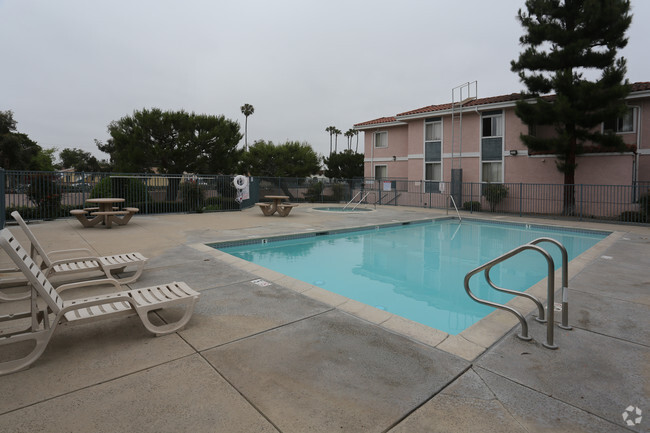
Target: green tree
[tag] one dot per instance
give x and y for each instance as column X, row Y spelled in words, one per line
column 290, row 159
column 79, row 160
column 344, row 165
column 172, row 142
column 17, row 151
column 247, row 110
column 564, row 41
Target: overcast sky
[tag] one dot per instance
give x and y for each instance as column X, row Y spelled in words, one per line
column 70, row 67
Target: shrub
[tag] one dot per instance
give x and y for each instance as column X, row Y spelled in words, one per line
column 192, row 195
column 132, row 190
column 45, row 192
column 472, row 206
column 632, row 216
column 494, row 193
column 314, row 192
column 338, row 191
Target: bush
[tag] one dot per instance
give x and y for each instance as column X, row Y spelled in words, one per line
column 220, row 203
column 338, row 191
column 45, row 192
column 192, row 195
column 494, row 193
column 632, row 216
column 472, row 206
column 314, row 192
column 132, row 190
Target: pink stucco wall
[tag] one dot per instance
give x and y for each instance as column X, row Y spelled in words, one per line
column 397, row 167
column 406, row 144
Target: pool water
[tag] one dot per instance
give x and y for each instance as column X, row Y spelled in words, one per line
column 416, row 271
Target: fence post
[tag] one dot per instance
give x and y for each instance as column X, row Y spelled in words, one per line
column 520, row 199
column 3, row 205
column 580, row 208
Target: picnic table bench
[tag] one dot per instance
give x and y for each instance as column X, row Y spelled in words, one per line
column 105, row 213
column 277, row 205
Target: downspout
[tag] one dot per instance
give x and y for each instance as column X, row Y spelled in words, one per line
column 372, row 156
column 635, row 164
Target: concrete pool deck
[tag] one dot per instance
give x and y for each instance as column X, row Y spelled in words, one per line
column 291, row 358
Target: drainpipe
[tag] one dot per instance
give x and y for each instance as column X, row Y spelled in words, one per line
column 372, row 156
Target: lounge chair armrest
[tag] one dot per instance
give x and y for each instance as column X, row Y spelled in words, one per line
column 74, row 250
column 89, row 283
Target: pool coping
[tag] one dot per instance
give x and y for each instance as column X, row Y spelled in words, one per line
column 468, row 344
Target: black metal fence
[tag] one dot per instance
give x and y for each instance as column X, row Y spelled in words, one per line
column 47, row 195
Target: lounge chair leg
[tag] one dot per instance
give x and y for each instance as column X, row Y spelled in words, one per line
column 41, row 338
column 168, row 328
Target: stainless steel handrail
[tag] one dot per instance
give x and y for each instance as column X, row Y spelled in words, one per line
column 550, row 293
column 565, row 279
column 355, row 196
column 362, row 199
column 455, row 207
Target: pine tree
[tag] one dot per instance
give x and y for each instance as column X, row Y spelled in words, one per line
column 564, row 43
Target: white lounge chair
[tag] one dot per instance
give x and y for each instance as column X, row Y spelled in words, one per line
column 130, row 302
column 109, row 265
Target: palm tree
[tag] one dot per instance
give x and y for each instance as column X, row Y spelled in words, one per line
column 356, row 132
column 331, row 130
column 349, row 134
column 247, row 110
column 337, row 131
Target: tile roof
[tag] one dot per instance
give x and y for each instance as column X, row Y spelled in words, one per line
column 634, row 87
column 640, row 86
column 377, row 121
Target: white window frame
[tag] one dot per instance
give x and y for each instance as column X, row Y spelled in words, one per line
column 376, row 142
column 500, row 171
column 630, row 112
column 434, row 139
column 385, row 167
column 500, row 126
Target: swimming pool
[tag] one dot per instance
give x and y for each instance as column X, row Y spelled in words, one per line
column 416, row 271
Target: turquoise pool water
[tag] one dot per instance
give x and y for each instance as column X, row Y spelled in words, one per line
column 416, row 271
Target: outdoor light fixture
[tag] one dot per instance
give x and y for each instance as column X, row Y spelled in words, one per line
column 394, row 158
column 513, row 152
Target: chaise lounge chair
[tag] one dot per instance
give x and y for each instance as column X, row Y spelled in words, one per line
column 130, row 302
column 109, row 265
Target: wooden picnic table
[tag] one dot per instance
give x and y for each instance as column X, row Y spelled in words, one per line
column 105, row 212
column 277, row 205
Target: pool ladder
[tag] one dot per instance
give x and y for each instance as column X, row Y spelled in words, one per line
column 360, row 200
column 550, row 293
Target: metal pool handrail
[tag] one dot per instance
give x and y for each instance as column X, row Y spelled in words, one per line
column 455, row 207
column 565, row 279
column 352, row 199
column 550, row 293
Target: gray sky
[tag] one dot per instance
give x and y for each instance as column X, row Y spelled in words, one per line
column 70, row 67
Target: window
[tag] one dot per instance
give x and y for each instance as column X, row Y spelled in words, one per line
column 492, row 147
column 621, row 124
column 492, row 172
column 433, row 130
column 433, row 154
column 381, row 172
column 381, row 139
column 492, row 124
